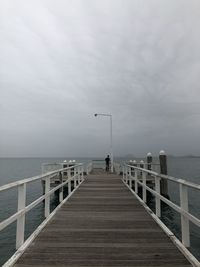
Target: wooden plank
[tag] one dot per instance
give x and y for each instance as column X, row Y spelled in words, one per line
column 102, row 224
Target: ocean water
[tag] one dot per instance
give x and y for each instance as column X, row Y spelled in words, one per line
column 12, row 169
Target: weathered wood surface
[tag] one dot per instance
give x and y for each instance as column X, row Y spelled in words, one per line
column 102, row 224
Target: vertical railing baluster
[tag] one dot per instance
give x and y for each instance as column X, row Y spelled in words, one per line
column 69, row 183
column 61, row 189
column 79, row 174
column 123, row 172
column 136, row 183
column 21, row 219
column 126, row 174
column 130, row 177
column 185, row 227
column 47, row 198
column 75, row 178
column 144, row 191
column 82, row 173
column 157, row 188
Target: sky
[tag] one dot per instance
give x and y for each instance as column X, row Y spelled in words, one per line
column 61, row 61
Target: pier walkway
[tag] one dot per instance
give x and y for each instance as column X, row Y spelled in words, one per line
column 102, row 224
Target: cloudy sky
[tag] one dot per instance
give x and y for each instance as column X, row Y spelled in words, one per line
column 61, row 61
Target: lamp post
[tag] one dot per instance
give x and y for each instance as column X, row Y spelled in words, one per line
column 111, row 150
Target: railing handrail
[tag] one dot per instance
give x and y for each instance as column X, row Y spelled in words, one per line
column 35, row 178
column 167, row 177
column 130, row 175
column 75, row 173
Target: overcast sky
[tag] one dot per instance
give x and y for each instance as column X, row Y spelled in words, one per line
column 61, row 61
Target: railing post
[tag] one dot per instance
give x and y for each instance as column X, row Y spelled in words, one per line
column 136, row 181
column 82, row 173
column 21, row 219
column 79, row 174
column 185, row 227
column 144, row 191
column 123, row 172
column 47, row 198
column 157, row 187
column 69, row 183
column 61, row 189
column 126, row 168
column 75, row 178
column 130, row 178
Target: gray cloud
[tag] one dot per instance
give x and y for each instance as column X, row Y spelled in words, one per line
column 63, row 61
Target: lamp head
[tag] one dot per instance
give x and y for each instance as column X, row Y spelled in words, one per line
column 95, row 114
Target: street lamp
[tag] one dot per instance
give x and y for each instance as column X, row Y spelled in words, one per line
column 111, row 150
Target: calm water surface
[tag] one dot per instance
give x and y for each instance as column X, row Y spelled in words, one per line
column 15, row 169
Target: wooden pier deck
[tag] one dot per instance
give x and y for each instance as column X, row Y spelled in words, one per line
column 102, row 224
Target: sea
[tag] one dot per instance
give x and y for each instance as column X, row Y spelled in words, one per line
column 13, row 169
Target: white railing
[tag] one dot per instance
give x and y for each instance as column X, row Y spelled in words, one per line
column 153, row 166
column 89, row 167
column 117, row 167
column 21, row 185
column 131, row 174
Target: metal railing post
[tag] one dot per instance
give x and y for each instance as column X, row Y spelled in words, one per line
column 157, row 187
column 21, row 219
column 123, row 172
column 47, row 198
column 144, row 191
column 185, row 227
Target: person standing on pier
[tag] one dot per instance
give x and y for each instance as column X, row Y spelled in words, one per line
column 107, row 160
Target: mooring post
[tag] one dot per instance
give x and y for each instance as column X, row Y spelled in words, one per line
column 141, row 166
column 163, row 170
column 149, row 161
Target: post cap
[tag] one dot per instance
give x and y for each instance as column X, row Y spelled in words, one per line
column 162, row 153
column 141, row 161
column 134, row 161
column 65, row 160
column 149, row 154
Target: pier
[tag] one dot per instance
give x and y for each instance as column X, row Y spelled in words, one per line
column 102, row 222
